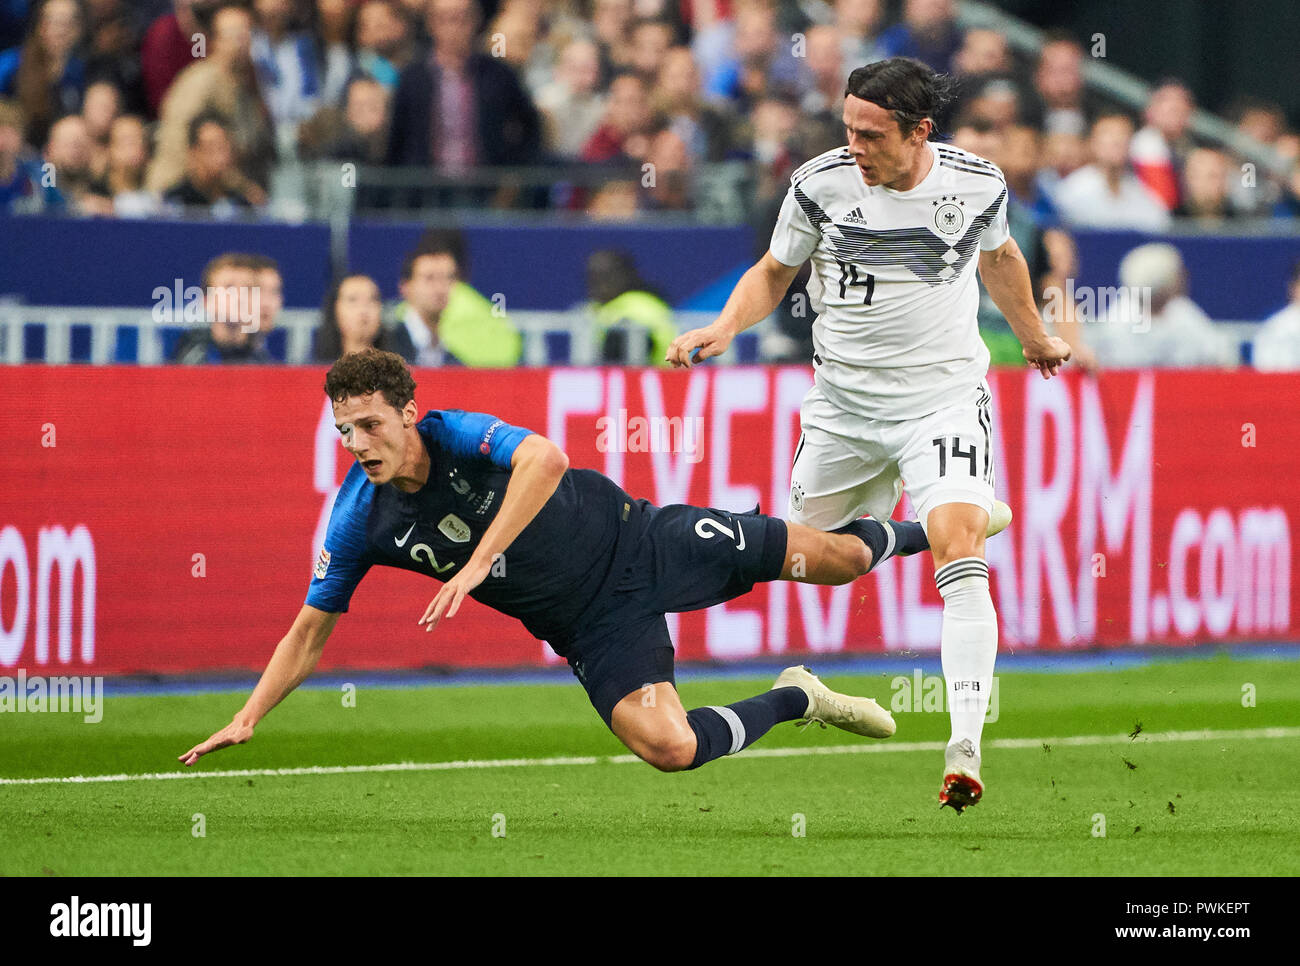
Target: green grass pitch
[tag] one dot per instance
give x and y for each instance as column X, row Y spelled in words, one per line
column 1194, row 806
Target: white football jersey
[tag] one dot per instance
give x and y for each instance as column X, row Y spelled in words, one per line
column 894, row 278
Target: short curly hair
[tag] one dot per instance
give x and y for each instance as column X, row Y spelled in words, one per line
column 371, row 370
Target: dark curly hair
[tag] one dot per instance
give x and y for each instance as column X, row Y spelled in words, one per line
column 371, row 370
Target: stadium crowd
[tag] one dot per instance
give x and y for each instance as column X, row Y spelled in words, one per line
column 116, row 108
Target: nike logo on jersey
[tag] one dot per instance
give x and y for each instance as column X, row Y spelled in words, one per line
column 709, row 528
column 406, row 536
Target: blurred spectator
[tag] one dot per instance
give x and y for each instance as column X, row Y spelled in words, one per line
column 1106, row 193
column 288, row 72
column 651, row 40
column 358, row 132
column 706, row 131
column 1288, row 205
column 173, row 42
column 270, row 295
column 385, row 43
column 983, row 53
column 21, row 188
column 982, row 58
column 332, row 38
column 448, row 322
column 224, row 83
column 928, row 31
column 997, row 100
column 1065, row 105
column 572, row 104
column 1021, row 161
column 824, row 66
column 1262, row 120
column 1176, row 333
column 516, row 36
column 100, row 107
column 46, row 75
column 230, row 308
column 667, row 183
column 1205, row 187
column 633, row 324
column 1063, row 154
column 68, row 152
column 119, row 189
column 614, row 201
column 857, row 23
column 211, row 179
column 1277, row 344
column 759, row 62
column 112, row 54
column 1265, row 122
column 1158, row 150
column 611, row 22
column 774, row 127
column 624, row 133
column 460, row 108
column 352, row 320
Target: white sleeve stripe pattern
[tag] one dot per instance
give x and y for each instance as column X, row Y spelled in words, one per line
column 733, row 722
column 813, row 211
column 965, row 157
column 962, row 167
column 837, row 156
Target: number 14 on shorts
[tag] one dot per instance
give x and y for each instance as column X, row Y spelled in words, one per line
column 950, row 446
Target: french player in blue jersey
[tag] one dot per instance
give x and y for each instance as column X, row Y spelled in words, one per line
column 496, row 513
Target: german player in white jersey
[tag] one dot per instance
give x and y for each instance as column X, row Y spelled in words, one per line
column 896, row 226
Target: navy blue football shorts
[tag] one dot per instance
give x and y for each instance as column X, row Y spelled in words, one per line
column 682, row 558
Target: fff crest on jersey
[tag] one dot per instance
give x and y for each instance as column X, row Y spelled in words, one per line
column 949, row 218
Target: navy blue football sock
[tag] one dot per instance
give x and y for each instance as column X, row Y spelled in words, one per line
column 890, row 538
column 724, row 731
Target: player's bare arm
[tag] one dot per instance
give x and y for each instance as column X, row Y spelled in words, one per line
column 537, row 467
column 294, row 659
column 754, row 298
column 1006, row 275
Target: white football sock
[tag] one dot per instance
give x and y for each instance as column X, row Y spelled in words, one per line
column 968, row 644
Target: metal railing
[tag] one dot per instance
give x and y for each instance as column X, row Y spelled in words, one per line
column 60, row 335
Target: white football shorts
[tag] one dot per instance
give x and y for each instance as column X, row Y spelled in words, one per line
column 847, row 466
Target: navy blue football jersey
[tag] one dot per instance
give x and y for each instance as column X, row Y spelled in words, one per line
column 550, row 574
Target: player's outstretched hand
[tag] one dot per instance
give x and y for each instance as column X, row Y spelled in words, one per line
column 712, row 340
column 453, row 592
column 234, row 733
column 1049, row 357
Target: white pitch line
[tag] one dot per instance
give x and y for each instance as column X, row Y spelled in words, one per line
column 1005, row 744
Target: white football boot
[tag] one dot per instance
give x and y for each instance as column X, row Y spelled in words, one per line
column 862, row 716
column 961, row 777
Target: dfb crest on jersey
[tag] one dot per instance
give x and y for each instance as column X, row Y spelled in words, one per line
column 949, row 218
column 796, row 497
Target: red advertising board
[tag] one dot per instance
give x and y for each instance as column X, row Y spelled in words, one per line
column 167, row 519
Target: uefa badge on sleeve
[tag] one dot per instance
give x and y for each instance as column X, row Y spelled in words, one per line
column 322, row 564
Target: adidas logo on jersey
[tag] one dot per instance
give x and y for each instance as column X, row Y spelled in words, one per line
column 854, row 217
